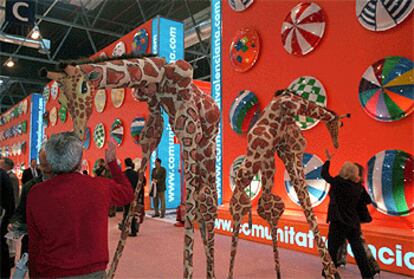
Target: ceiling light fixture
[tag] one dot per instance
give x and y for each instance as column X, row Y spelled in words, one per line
column 9, row 63
column 35, row 34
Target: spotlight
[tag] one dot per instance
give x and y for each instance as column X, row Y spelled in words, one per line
column 9, row 63
column 35, row 34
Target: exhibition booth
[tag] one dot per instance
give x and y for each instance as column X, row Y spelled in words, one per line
column 329, row 52
column 326, row 53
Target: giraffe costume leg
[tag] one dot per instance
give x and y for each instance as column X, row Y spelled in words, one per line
column 206, row 198
column 149, row 140
column 271, row 206
column 188, row 130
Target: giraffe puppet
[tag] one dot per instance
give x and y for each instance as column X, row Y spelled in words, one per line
column 276, row 132
column 193, row 116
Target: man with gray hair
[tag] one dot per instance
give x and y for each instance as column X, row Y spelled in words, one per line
column 7, row 164
column 67, row 214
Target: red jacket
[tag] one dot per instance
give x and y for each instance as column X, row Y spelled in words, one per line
column 67, row 221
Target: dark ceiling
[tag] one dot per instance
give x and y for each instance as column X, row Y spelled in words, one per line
column 78, row 29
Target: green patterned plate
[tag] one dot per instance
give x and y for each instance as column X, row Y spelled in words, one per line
column 310, row 89
column 99, row 135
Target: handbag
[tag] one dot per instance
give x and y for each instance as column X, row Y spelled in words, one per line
column 153, row 189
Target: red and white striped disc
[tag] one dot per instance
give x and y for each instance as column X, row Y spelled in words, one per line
column 303, row 28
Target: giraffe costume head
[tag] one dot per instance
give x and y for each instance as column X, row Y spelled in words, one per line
column 76, row 96
column 194, row 118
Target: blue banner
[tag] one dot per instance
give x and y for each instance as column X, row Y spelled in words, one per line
column 216, row 75
column 37, row 109
column 168, row 42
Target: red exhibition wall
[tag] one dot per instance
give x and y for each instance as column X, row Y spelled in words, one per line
column 346, row 50
column 21, row 160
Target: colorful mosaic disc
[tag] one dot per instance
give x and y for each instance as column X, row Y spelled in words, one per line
column 244, row 112
column 244, row 49
column 386, row 90
column 390, row 182
column 119, row 49
column 54, row 90
column 136, row 128
column 117, row 131
column 240, row 5
column 87, row 138
column 140, row 42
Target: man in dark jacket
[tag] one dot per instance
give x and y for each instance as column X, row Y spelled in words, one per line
column 344, row 223
column 18, row 221
column 158, row 176
column 132, row 176
column 6, row 211
column 31, row 172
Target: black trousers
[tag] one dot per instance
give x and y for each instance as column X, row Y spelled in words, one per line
column 134, row 223
column 4, row 259
column 338, row 232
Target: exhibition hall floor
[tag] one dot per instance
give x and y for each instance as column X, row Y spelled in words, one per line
column 157, row 252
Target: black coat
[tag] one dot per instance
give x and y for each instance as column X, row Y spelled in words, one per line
column 27, row 175
column 132, row 177
column 345, row 197
column 6, row 200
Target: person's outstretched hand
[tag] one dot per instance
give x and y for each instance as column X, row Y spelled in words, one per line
column 110, row 153
column 328, row 155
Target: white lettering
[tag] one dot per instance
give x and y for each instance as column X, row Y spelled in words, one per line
column 16, row 13
column 289, row 235
column 173, row 44
column 381, row 255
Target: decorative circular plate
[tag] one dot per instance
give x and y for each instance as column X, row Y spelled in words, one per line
column 244, row 112
column 140, row 42
column 23, row 127
column 99, row 135
column 103, row 55
column 310, row 89
column 95, row 166
column 117, row 97
column 386, row 90
column 317, row 187
column 85, row 166
column 117, row 131
column 244, row 49
column 303, row 28
column 240, row 5
column 53, row 116
column 24, row 106
column 87, row 138
column 63, row 112
column 119, row 49
column 255, row 186
column 23, row 147
column 46, row 119
column 100, row 100
column 46, row 93
column 136, row 128
column 390, row 182
column 382, row 15
column 54, row 90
